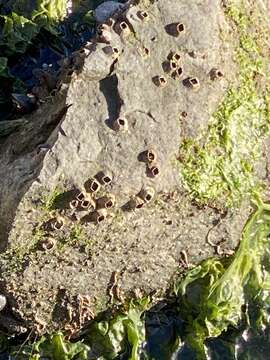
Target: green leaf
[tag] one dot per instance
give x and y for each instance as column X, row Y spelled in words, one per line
column 17, row 33
column 213, row 293
column 122, row 334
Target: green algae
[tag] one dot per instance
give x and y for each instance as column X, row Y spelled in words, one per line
column 219, row 166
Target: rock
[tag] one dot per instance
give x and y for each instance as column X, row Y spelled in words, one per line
column 78, row 128
column 106, row 10
column 3, row 302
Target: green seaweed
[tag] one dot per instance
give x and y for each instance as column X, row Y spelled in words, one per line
column 106, row 339
column 54, row 347
column 123, row 334
column 218, row 166
column 213, row 294
column 17, row 33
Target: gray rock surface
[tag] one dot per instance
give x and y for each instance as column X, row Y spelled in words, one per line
column 107, row 9
column 79, row 141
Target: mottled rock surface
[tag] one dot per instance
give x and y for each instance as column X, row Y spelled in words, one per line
column 76, row 130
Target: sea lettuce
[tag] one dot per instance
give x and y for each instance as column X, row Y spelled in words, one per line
column 16, row 33
column 214, row 294
column 49, row 11
column 54, row 347
column 123, row 334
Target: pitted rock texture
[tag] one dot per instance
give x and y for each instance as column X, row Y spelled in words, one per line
column 76, row 130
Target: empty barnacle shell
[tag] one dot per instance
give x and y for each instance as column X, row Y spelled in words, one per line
column 173, row 65
column 99, row 215
column 160, row 81
column 92, row 185
column 120, row 124
column 136, row 202
column 122, row 28
column 169, row 66
column 74, row 204
column 57, row 223
column 104, row 177
column 193, row 83
column 143, row 15
column 175, row 29
column 111, row 51
column 88, row 203
column 149, row 156
column 147, row 193
column 48, row 244
column 174, row 57
column 216, row 74
column 80, row 196
column 153, row 170
column 106, row 202
column 177, row 73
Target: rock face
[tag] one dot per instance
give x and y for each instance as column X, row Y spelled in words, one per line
column 74, row 137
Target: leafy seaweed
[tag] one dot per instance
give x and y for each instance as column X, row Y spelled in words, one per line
column 17, row 32
column 54, row 347
column 123, row 334
column 214, row 293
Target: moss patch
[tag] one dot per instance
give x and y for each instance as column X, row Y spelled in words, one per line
column 218, row 166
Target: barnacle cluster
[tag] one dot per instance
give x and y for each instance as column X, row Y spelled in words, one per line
column 87, row 202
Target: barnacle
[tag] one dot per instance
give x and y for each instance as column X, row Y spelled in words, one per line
column 92, row 185
column 153, row 170
column 99, row 215
column 106, row 202
column 193, row 83
column 177, row 73
column 136, row 202
column 175, row 29
column 120, row 124
column 149, row 156
column 160, row 81
column 216, row 74
column 147, row 193
column 104, row 177
column 143, row 15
